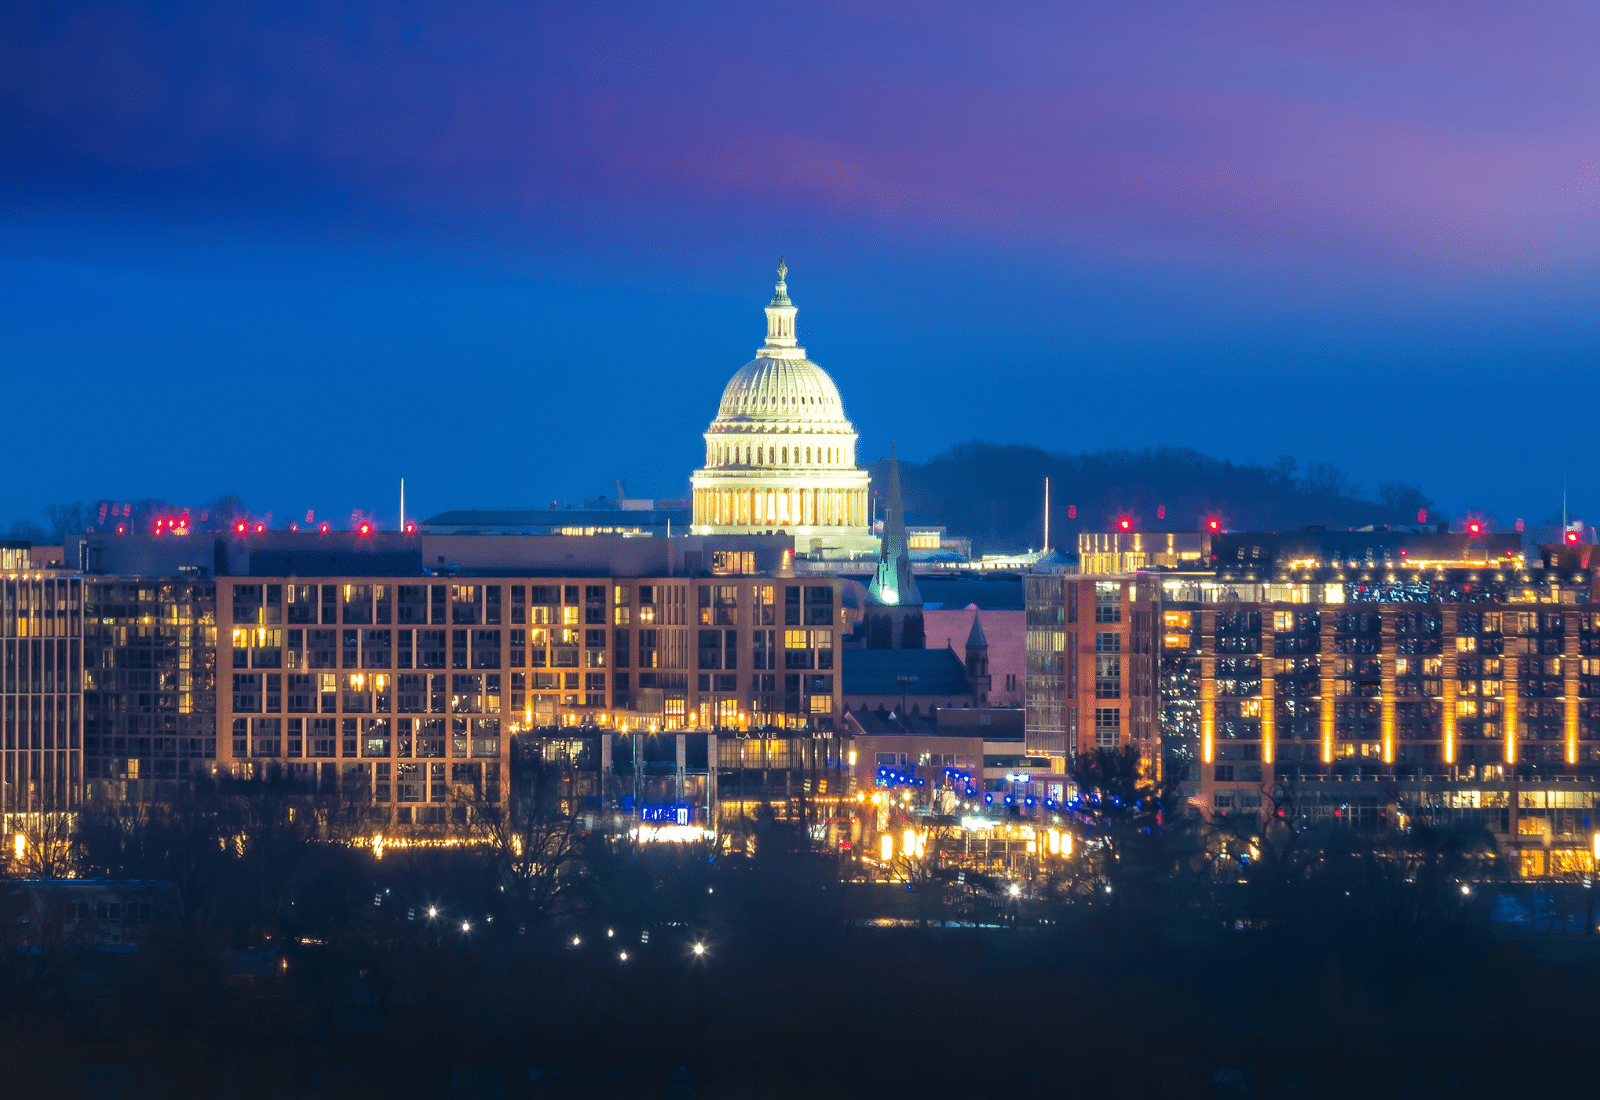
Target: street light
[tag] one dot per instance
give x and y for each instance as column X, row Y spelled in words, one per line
column 905, row 682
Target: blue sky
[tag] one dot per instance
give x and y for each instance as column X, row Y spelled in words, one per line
column 294, row 251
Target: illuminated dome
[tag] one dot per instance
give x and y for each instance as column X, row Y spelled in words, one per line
column 784, row 390
column 781, row 455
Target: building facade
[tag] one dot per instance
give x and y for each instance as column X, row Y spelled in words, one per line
column 1359, row 680
column 781, row 455
column 149, row 691
column 41, row 692
column 1091, row 664
column 407, row 690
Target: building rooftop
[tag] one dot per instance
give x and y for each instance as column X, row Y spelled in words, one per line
column 874, row 672
column 555, row 521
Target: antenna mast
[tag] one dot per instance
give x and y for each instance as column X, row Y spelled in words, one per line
column 1046, row 516
column 402, row 505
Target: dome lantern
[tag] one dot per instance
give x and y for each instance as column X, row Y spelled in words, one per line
column 781, row 340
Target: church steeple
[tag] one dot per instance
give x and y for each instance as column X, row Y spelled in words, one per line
column 978, row 659
column 781, row 341
column 893, row 584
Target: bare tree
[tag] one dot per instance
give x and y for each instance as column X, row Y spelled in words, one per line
column 49, row 848
column 1402, row 499
column 537, row 839
column 1324, row 479
column 25, row 530
column 66, row 522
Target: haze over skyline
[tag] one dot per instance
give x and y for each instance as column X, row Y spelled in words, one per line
column 235, row 236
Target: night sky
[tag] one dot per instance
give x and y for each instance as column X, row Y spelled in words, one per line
column 513, row 251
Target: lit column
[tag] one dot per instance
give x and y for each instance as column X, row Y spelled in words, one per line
column 1386, row 674
column 1513, row 690
column 1269, row 689
column 1325, row 666
column 1569, row 681
column 1208, row 688
column 1447, row 682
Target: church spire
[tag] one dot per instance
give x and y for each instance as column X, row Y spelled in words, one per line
column 781, row 342
column 893, row 584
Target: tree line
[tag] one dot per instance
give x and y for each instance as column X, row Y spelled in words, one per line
column 993, row 493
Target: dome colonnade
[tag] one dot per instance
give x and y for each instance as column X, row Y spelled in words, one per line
column 781, row 454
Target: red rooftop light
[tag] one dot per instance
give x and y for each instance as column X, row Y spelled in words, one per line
column 260, row 527
column 1213, row 525
column 411, row 528
column 1124, row 524
column 1572, row 536
column 324, row 528
column 366, row 529
column 239, row 528
column 1474, row 528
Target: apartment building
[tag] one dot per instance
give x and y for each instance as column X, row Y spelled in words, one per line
column 41, row 688
column 1091, row 663
column 1372, row 679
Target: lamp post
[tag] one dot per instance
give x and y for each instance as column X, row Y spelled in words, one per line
column 905, row 683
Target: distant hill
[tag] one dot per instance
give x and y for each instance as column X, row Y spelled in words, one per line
column 994, row 493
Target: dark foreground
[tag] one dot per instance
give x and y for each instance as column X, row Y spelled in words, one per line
column 358, row 992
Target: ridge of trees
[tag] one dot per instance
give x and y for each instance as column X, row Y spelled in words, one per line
column 994, row 493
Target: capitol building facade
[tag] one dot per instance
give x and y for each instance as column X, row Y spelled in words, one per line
column 781, row 454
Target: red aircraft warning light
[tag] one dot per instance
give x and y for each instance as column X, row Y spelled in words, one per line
column 411, row 528
column 1213, row 525
column 239, row 527
column 324, row 528
column 1572, row 536
column 1124, row 524
column 366, row 529
column 1474, row 528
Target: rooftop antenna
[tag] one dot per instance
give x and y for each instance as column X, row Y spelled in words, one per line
column 402, row 505
column 1563, row 508
column 1046, row 550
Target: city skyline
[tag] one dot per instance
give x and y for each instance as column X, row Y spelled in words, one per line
column 296, row 233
